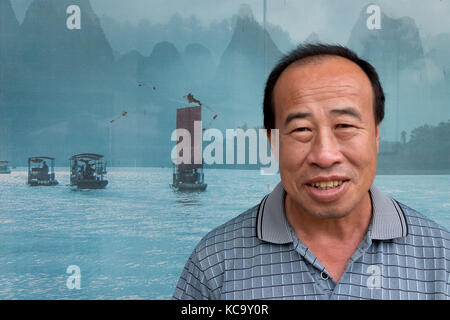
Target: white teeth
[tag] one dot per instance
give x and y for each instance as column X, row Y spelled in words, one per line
column 325, row 185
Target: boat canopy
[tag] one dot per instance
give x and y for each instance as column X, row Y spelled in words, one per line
column 90, row 156
column 40, row 159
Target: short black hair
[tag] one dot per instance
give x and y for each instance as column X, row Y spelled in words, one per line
column 316, row 50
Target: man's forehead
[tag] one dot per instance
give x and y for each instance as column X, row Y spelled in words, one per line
column 326, row 76
column 326, row 91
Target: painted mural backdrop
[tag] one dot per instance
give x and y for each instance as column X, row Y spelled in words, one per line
column 107, row 77
column 69, row 67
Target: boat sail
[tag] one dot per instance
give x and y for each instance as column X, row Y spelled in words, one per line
column 189, row 176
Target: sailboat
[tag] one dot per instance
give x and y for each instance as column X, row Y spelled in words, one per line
column 189, row 176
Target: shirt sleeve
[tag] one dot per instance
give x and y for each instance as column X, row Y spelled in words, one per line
column 192, row 284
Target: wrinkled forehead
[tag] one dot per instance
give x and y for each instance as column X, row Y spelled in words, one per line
column 321, row 78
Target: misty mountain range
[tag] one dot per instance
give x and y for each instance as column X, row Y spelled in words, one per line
column 60, row 89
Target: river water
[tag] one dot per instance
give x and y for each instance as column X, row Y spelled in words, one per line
column 132, row 239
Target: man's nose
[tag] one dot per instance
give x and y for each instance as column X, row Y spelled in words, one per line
column 325, row 150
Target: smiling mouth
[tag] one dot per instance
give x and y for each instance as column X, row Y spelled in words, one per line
column 327, row 185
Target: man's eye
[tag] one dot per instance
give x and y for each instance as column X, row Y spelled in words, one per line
column 301, row 130
column 344, row 126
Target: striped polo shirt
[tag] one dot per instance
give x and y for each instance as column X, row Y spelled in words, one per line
column 257, row 255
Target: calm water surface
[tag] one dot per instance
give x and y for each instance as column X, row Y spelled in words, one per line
column 132, row 239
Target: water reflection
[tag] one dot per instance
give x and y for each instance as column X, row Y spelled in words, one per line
column 186, row 199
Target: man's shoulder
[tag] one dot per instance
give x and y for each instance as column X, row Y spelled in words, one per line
column 423, row 226
column 237, row 232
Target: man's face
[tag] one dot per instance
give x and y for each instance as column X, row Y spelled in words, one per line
column 328, row 137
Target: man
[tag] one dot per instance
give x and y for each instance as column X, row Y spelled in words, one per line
column 45, row 170
column 325, row 232
column 89, row 170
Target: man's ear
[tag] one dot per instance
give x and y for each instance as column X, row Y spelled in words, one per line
column 274, row 140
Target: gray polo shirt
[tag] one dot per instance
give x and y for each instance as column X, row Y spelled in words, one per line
column 257, row 255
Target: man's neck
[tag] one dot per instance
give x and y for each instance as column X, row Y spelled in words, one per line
column 312, row 227
column 332, row 240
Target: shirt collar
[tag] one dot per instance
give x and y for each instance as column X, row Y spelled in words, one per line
column 388, row 218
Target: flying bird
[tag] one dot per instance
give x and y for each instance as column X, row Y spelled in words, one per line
column 190, row 98
column 143, row 84
column 124, row 114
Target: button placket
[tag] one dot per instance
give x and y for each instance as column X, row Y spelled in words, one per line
column 325, row 282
